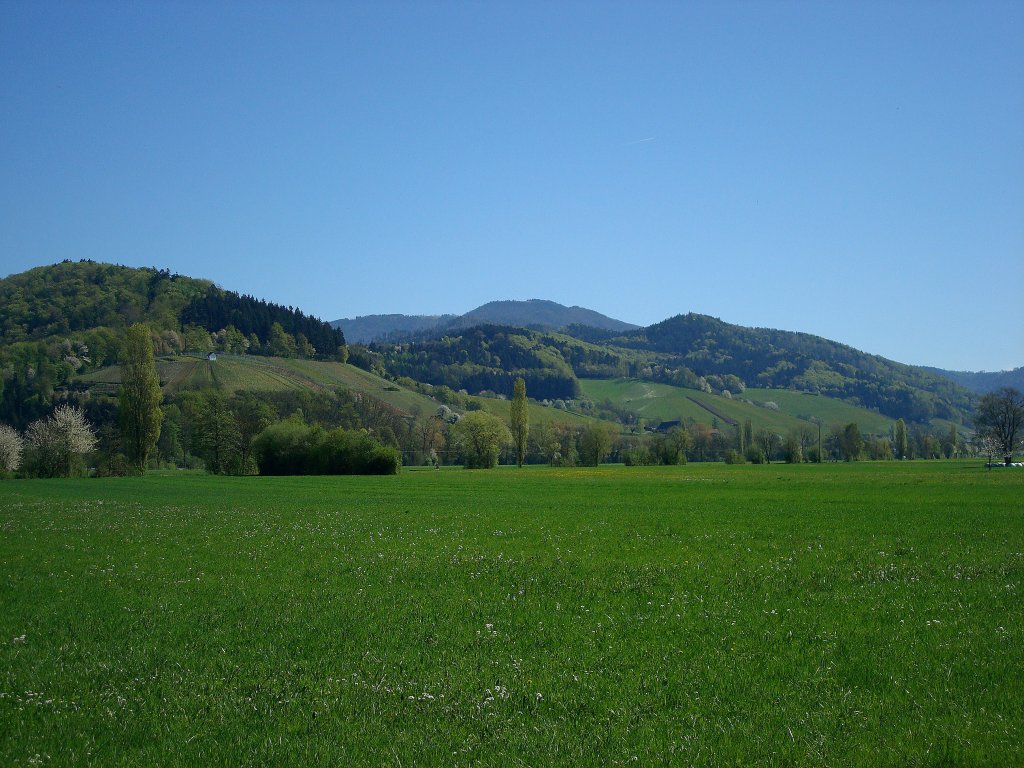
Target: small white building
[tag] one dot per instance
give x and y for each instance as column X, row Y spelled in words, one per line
column 212, row 357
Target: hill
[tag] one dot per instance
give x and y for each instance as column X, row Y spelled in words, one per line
column 62, row 323
column 983, row 382
column 778, row 410
column 491, row 357
column 763, row 357
column 541, row 314
column 231, row 374
column 696, row 352
column 537, row 314
column 369, row 328
column 65, row 319
column 73, row 297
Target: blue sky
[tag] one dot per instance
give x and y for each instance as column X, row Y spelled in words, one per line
column 853, row 170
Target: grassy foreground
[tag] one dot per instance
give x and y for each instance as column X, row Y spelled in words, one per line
column 710, row 615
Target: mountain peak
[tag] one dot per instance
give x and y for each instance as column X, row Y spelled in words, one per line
column 529, row 313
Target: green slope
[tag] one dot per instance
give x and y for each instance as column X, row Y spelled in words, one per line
column 663, row 402
column 539, row 414
column 233, row 373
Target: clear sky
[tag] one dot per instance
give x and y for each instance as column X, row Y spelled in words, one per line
column 849, row 169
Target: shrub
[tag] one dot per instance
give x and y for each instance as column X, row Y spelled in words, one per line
column 755, row 455
column 637, row 456
column 293, row 448
column 284, row 448
column 355, row 453
column 734, row 457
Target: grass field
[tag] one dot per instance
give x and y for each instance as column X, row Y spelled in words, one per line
column 708, row 615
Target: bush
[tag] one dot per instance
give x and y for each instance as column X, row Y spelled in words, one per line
column 638, row 457
column 286, row 448
column 755, row 455
column 293, row 448
column 355, row 453
column 734, row 457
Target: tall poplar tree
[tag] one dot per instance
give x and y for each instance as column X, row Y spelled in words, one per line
column 139, row 397
column 900, row 439
column 520, row 418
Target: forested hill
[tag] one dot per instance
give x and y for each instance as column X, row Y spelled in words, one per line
column 541, row 314
column 983, row 382
column 60, row 320
column 485, row 358
column 536, row 314
column 764, row 357
column 368, row 328
column 73, row 297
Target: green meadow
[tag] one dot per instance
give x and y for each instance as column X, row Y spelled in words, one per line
column 705, row 615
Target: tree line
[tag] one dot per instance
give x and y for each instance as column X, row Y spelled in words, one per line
column 198, row 429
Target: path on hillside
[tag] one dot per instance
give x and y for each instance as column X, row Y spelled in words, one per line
column 714, row 411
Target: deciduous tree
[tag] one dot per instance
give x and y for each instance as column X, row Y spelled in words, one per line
column 252, row 416
column 900, row 444
column 139, row 396
column 11, row 447
column 768, row 442
column 596, row 442
column 215, row 435
column 520, row 418
column 60, row 441
column 851, row 443
column 480, row 437
column 1000, row 416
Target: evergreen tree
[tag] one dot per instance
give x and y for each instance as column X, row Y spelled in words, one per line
column 520, row 418
column 139, row 396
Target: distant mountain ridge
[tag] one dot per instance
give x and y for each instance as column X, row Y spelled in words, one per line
column 539, row 314
column 983, row 382
column 66, row 320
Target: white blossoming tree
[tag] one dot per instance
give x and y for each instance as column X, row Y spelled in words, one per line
column 59, row 441
column 11, row 446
